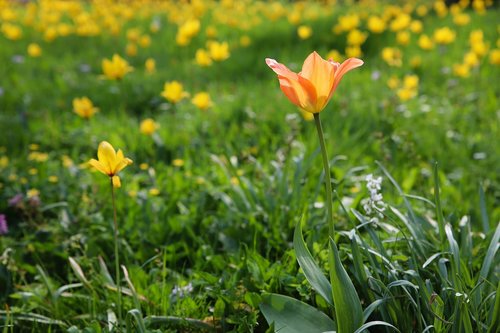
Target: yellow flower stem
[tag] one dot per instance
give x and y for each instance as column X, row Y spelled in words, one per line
column 117, row 259
column 328, row 181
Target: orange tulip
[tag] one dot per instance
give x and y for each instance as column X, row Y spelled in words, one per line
column 312, row 88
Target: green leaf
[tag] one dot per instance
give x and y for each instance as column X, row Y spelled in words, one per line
column 293, row 316
column 311, row 270
column 375, row 323
column 348, row 311
column 495, row 320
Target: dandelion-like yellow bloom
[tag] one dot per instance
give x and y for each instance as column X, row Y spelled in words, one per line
column 356, row 37
column 461, row 70
column 202, row 101
column 304, row 32
column 444, row 36
column 11, row 31
column 148, row 126
column 376, row 24
column 110, row 162
column 495, row 57
column 202, row 58
column 174, row 92
column 34, row 50
column 392, row 56
column 218, row 51
column 116, row 68
column 84, row 107
column 425, row 42
column 150, row 65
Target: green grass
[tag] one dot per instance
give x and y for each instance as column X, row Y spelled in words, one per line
column 223, row 222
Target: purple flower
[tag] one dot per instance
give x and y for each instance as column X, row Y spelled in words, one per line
column 16, row 200
column 3, row 225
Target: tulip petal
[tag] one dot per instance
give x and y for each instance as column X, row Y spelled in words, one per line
column 107, row 156
column 345, row 67
column 298, row 89
column 320, row 73
column 98, row 165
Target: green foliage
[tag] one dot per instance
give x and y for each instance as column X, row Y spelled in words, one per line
column 207, row 211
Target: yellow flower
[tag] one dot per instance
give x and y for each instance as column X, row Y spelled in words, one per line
column 245, row 41
column 356, row 37
column 403, row 38
column 11, row 31
column 461, row 19
column 202, row 101
column 143, row 166
column 31, row 193
column 178, row 162
column 461, row 70
column 4, row 162
column 353, row 51
column 416, row 26
column 405, row 94
column 53, row 179
column 304, row 31
column 376, row 24
column 173, row 92
column 202, row 58
column 154, row 192
column 393, row 82
column 392, row 56
column 416, row 62
column 495, row 57
column 425, row 42
column 131, row 49
column 410, row 82
column 84, row 107
column 145, row 41
column 148, row 126
column 334, row 54
column 480, row 48
column 444, row 36
column 471, row 59
column 211, row 31
column 150, row 65
column 218, row 51
column 401, row 22
column 110, row 162
column 116, row 68
column 34, row 50
column 476, row 36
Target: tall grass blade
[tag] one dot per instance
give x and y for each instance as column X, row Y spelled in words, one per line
column 437, row 199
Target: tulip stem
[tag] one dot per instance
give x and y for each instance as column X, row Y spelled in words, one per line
column 328, row 181
column 117, row 259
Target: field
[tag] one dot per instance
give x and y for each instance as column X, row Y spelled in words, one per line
column 215, row 217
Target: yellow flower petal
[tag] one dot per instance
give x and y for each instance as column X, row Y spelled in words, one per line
column 98, row 165
column 107, row 156
column 116, row 181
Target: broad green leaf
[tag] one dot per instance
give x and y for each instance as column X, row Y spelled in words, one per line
column 293, row 316
column 348, row 311
column 311, row 270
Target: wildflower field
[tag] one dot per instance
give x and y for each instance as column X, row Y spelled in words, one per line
column 162, row 166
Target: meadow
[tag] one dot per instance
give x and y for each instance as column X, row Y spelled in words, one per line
column 215, row 217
